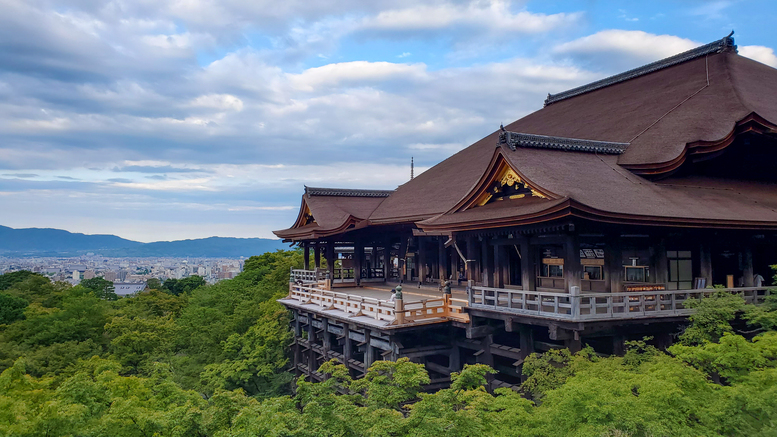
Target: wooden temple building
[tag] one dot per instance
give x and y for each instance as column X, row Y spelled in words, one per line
column 587, row 222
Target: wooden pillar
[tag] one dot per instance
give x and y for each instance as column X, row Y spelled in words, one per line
column 499, row 260
column 613, row 258
column 454, row 254
column 297, row 358
column 619, row 345
column 408, row 270
column 454, row 361
column 574, row 344
column 485, row 260
column 369, row 352
column 311, row 353
column 705, row 263
column 471, row 264
column 306, row 254
column 373, row 260
column 528, row 273
column 326, row 339
column 347, row 351
column 572, row 268
column 747, row 267
column 330, row 259
column 358, row 262
column 441, row 261
column 401, row 256
column 421, row 260
column 386, row 260
column 661, row 266
column 486, row 357
column 317, row 254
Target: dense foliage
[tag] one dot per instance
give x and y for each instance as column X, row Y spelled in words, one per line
column 211, row 361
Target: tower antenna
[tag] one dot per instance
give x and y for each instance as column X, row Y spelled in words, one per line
column 411, row 168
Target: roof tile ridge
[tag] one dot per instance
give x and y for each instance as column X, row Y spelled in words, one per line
column 721, row 45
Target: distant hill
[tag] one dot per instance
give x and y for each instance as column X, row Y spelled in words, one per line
column 56, row 242
column 203, row 247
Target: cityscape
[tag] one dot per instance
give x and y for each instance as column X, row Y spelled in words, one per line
column 129, row 275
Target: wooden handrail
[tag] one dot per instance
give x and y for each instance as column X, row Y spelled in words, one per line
column 599, row 306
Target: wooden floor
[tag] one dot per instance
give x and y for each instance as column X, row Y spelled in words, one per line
column 410, row 291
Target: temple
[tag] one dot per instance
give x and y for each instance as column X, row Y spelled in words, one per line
column 588, row 222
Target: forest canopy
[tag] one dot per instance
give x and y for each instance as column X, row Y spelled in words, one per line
column 190, row 359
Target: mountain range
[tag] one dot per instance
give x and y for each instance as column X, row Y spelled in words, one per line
column 57, row 242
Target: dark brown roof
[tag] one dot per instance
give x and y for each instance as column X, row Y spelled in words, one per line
column 334, row 210
column 650, row 121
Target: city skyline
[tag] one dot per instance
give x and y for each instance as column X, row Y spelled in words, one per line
column 177, row 121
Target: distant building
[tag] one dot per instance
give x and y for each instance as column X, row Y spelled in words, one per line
column 126, row 289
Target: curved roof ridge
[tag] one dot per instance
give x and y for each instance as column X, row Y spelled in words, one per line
column 346, row 192
column 726, row 43
column 514, row 139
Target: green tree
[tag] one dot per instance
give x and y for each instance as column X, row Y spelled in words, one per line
column 101, row 288
column 178, row 287
column 8, row 280
column 11, row 308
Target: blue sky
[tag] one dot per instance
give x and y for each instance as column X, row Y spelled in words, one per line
column 173, row 119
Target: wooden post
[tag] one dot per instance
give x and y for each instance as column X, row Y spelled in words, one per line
column 326, row 339
column 358, row 262
column 485, row 260
column 526, row 344
column 330, row 259
column 311, row 353
column 747, row 268
column 498, row 266
column 613, row 257
column 470, row 265
column 306, row 261
column 454, row 265
column 373, row 260
column 619, row 345
column 487, row 358
column 574, row 344
column 705, row 263
column 408, row 270
column 662, row 263
column 401, row 256
column 572, row 268
column 317, row 254
column 386, row 260
column 421, row 260
column 528, row 273
column 442, row 262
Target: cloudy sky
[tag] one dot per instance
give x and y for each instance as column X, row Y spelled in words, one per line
column 173, row 119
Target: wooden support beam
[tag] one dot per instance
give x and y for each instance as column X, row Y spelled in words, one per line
column 479, row 331
column 434, row 367
column 613, row 258
column 317, row 254
column 499, row 266
column 471, row 265
column 347, row 346
column 422, row 269
column 402, row 256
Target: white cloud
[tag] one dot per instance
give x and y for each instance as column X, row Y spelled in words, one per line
column 356, row 72
column 761, row 54
column 494, row 15
column 224, row 102
column 618, row 50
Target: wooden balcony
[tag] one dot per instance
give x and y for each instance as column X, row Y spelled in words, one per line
column 599, row 306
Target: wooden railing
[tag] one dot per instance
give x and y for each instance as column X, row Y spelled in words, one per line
column 307, row 275
column 355, row 305
column 599, row 306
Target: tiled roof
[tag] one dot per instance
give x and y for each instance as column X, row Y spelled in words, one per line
column 346, row 192
column 514, row 139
